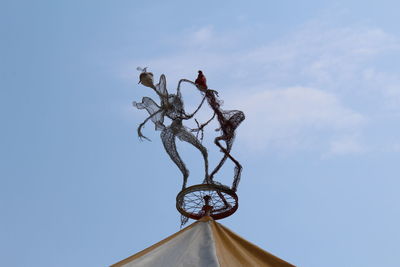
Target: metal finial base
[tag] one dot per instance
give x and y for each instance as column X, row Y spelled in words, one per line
column 207, row 199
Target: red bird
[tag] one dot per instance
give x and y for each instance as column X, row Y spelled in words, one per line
column 201, row 81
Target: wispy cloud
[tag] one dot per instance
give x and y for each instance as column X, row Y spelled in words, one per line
column 344, row 145
column 304, row 90
column 296, row 118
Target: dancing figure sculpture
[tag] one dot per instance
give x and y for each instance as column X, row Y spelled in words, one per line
column 211, row 197
column 171, row 106
column 228, row 120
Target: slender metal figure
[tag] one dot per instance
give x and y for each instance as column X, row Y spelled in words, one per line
column 171, row 106
column 228, row 120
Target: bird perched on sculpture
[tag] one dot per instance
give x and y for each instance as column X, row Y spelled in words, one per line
column 201, row 81
column 146, row 78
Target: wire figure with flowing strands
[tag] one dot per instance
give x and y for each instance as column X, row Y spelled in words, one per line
column 228, row 120
column 171, row 106
column 211, row 197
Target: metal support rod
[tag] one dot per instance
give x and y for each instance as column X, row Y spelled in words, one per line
column 207, row 208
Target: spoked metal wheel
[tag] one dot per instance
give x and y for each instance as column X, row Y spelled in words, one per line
column 218, row 201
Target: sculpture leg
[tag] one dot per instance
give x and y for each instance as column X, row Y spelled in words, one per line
column 190, row 138
column 229, row 136
column 238, row 167
column 221, row 162
column 168, row 139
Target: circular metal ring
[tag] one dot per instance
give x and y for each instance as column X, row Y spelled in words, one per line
column 192, row 201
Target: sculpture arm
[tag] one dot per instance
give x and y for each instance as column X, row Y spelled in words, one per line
column 178, row 92
column 201, row 126
column 189, row 116
column 139, row 129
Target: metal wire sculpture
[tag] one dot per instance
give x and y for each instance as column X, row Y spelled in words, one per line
column 228, row 120
column 220, row 200
column 171, row 106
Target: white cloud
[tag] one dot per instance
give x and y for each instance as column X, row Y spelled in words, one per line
column 293, row 118
column 202, row 36
column 323, row 75
column 333, row 59
column 349, row 144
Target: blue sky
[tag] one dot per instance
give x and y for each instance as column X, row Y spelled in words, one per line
column 318, row 81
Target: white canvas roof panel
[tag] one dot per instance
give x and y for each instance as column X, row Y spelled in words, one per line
column 203, row 243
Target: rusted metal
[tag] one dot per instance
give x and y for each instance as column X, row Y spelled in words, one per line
column 212, row 200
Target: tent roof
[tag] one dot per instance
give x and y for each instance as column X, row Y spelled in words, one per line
column 203, row 243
